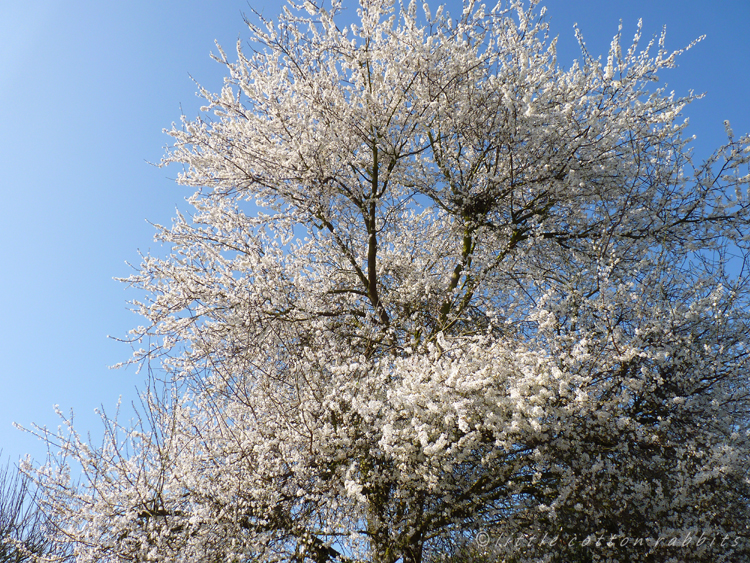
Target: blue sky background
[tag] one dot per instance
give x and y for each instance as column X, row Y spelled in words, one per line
column 86, row 88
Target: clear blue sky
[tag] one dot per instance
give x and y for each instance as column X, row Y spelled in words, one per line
column 86, row 88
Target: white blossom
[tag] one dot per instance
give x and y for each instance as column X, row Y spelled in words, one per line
column 433, row 284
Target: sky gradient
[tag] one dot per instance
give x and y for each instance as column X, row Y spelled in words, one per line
column 86, row 88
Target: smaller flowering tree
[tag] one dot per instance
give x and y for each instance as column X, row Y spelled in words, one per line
column 435, row 286
column 23, row 527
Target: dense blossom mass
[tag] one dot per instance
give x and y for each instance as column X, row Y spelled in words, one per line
column 436, row 288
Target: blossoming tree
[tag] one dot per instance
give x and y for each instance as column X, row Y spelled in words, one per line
column 434, row 285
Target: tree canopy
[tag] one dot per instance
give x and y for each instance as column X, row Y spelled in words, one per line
column 434, row 285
